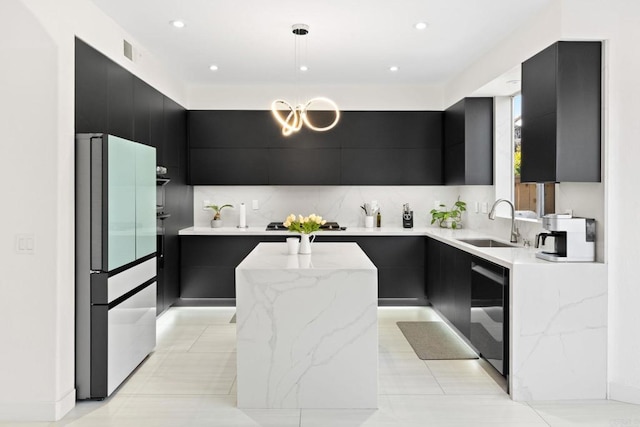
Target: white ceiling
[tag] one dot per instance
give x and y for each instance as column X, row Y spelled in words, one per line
column 350, row 42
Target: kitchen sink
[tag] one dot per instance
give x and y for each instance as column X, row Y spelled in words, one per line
column 487, row 243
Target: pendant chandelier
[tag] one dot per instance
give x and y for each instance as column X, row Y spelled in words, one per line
column 291, row 117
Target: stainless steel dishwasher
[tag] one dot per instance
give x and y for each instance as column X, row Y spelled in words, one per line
column 489, row 312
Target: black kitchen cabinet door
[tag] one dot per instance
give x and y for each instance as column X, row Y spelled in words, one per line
column 90, row 89
column 433, row 285
column 175, row 125
column 365, row 148
column 156, row 127
column 303, row 166
column 462, row 292
column 208, row 264
column 142, row 95
column 387, row 166
column 389, row 129
column 468, row 142
column 400, row 261
column 229, row 166
column 119, row 101
column 448, row 283
column 561, row 114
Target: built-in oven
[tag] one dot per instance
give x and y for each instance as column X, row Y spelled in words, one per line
column 489, row 312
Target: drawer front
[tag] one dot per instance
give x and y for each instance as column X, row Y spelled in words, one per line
column 131, row 335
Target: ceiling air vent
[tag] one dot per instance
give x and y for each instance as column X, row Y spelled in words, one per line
column 128, row 50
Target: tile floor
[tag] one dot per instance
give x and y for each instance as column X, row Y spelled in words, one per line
column 190, row 381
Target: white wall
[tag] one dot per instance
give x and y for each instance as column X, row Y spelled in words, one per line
column 29, row 366
column 37, row 171
column 618, row 22
column 248, row 97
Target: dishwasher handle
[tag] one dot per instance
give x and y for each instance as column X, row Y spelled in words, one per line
column 489, row 274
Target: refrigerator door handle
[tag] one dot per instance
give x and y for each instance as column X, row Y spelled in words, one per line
column 98, row 205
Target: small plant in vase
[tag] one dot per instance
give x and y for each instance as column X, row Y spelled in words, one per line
column 451, row 218
column 216, row 222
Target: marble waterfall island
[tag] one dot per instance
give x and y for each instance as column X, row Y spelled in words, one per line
column 307, row 332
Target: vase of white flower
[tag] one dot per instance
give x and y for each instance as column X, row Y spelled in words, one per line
column 305, row 243
column 305, row 226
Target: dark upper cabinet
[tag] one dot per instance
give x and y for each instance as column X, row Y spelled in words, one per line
column 304, row 166
column 561, row 114
column 90, row 89
column 228, row 166
column 389, row 166
column 468, row 142
column 142, row 94
column 120, row 115
column 365, row 148
column 175, row 125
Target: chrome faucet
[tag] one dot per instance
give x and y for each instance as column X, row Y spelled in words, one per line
column 514, row 231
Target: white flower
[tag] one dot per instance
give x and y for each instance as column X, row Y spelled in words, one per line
column 323, row 222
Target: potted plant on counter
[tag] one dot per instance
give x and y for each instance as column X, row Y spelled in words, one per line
column 216, row 222
column 451, row 218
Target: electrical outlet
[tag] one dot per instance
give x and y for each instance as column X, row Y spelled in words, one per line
column 485, row 208
column 25, row 244
column 477, row 207
column 205, row 203
column 436, row 204
column 254, row 205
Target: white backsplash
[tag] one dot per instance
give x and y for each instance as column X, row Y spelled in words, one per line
column 342, row 204
column 334, row 203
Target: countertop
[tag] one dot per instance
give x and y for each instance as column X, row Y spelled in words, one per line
column 506, row 257
column 325, row 256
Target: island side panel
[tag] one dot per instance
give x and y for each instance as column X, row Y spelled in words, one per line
column 307, row 338
column 558, row 332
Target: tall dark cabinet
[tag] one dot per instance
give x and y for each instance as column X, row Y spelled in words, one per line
column 110, row 99
column 468, row 142
column 561, row 114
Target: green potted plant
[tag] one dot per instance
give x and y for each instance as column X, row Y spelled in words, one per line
column 216, row 222
column 451, row 218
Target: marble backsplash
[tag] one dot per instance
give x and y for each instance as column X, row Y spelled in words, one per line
column 334, row 203
column 342, row 204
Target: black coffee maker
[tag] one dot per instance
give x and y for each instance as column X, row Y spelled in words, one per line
column 407, row 216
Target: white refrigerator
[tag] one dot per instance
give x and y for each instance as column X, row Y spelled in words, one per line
column 115, row 261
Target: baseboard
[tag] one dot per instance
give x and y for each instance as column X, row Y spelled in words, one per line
column 38, row 411
column 624, row 393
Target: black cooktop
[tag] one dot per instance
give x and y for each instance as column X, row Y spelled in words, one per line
column 328, row 226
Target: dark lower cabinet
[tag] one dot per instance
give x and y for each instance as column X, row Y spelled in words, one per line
column 473, row 295
column 207, row 266
column 449, row 283
column 400, row 261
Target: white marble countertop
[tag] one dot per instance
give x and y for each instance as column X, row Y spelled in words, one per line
column 325, row 256
column 506, row 257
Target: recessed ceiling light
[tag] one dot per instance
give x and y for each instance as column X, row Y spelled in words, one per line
column 421, row 25
column 177, row 23
column 304, row 68
column 393, row 68
column 213, row 68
